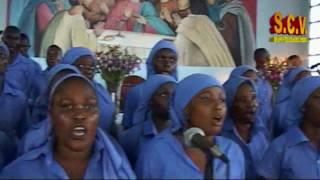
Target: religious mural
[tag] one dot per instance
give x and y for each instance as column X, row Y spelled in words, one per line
column 217, row 33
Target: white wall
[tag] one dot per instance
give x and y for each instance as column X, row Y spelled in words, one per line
column 3, row 13
column 265, row 9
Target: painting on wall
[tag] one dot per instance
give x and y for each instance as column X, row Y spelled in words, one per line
column 217, row 33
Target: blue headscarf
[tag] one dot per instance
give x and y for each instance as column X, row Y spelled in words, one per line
column 150, row 87
column 184, row 92
column 114, row 165
column 74, row 53
column 240, row 70
column 163, row 44
column 5, row 47
column 300, row 93
column 288, row 83
column 232, row 85
column 58, row 68
column 104, row 99
column 39, row 112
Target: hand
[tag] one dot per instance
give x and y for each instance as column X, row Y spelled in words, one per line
column 98, row 28
column 127, row 12
column 176, row 19
column 166, row 14
column 59, row 5
column 141, row 20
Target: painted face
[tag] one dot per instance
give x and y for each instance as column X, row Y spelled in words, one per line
column 53, row 56
column 207, row 110
column 4, row 59
column 86, row 66
column 244, row 105
column 74, row 115
column 165, row 61
column 159, row 102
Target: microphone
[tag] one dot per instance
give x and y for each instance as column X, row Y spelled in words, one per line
column 195, row 137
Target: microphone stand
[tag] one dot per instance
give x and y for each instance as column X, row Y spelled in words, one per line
column 209, row 170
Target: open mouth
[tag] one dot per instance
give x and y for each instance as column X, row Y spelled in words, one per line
column 217, row 121
column 79, row 131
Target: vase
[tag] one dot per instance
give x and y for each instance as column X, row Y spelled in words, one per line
column 113, row 89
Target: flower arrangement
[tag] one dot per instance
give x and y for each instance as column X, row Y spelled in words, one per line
column 115, row 64
column 274, row 70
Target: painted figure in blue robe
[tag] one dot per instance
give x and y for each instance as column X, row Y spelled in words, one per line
column 74, row 148
column 14, row 111
column 151, row 117
column 84, row 60
column 295, row 154
column 40, row 109
column 198, row 101
column 243, row 125
column 265, row 91
column 21, row 71
column 162, row 60
column 283, row 98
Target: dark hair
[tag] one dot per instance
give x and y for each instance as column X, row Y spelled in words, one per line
column 259, row 52
column 13, row 29
column 23, row 36
column 290, row 58
column 74, row 2
column 199, row 7
column 55, row 46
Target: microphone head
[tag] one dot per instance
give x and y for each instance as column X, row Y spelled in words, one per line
column 189, row 133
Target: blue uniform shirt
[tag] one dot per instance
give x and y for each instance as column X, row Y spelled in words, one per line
column 291, row 156
column 106, row 162
column 133, row 139
column 164, row 158
column 254, row 150
column 264, row 96
column 24, row 74
column 106, row 107
column 7, row 149
column 13, row 112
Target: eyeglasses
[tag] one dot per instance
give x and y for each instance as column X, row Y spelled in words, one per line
column 86, row 67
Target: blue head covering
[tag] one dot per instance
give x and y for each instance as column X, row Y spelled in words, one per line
column 58, row 68
column 163, row 44
column 44, row 127
column 69, row 76
column 288, row 82
column 300, row 93
column 74, row 53
column 231, row 87
column 184, row 92
column 6, row 50
column 114, row 162
column 240, row 70
column 150, row 86
column 40, row 109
